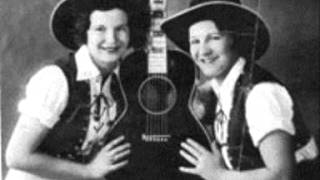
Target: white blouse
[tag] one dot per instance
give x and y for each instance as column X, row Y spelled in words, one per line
column 269, row 106
column 46, row 98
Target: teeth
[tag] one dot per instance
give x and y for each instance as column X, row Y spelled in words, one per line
column 110, row 48
column 208, row 60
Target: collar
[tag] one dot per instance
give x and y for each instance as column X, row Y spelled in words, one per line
column 85, row 66
column 224, row 91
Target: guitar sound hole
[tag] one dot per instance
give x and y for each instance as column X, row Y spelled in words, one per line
column 157, row 95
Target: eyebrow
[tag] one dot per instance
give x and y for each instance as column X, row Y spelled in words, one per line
column 211, row 33
column 124, row 24
column 116, row 26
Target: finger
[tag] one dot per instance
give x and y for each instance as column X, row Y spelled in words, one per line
column 188, row 157
column 121, row 155
column 188, row 170
column 197, row 146
column 190, row 149
column 120, row 148
column 113, row 143
column 118, row 165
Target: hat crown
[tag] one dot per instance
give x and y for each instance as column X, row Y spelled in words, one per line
column 196, row 2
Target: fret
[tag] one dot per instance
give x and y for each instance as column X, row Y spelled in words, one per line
column 158, row 42
column 155, row 24
column 157, row 58
column 157, row 55
column 156, row 50
column 157, row 63
column 157, row 33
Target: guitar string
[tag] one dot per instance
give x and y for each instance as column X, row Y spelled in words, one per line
column 157, row 124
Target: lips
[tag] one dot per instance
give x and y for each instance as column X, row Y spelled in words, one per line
column 111, row 49
column 208, row 60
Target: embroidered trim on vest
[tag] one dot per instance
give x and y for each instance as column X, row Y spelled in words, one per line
column 239, row 149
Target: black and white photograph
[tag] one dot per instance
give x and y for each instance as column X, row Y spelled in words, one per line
column 160, row 89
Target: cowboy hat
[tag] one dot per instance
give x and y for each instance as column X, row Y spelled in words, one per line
column 229, row 15
column 65, row 13
column 62, row 22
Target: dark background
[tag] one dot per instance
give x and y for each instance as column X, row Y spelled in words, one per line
column 26, row 45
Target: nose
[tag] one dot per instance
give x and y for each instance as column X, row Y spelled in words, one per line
column 111, row 37
column 204, row 50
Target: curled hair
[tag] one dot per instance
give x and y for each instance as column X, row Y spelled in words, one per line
column 136, row 10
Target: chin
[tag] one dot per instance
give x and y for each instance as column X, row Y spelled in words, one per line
column 111, row 58
column 208, row 75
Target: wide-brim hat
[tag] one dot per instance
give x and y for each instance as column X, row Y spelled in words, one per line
column 62, row 22
column 227, row 15
column 65, row 14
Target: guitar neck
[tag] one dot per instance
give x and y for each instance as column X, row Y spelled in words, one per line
column 157, row 56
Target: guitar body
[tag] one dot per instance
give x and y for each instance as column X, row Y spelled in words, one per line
column 157, row 118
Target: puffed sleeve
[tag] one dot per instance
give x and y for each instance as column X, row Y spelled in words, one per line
column 46, row 96
column 269, row 107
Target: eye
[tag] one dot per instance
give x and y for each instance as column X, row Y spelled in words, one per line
column 124, row 28
column 214, row 36
column 100, row 29
column 194, row 41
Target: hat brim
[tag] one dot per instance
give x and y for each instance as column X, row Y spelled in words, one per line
column 62, row 23
column 231, row 16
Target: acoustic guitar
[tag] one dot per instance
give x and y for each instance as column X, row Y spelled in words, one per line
column 157, row 117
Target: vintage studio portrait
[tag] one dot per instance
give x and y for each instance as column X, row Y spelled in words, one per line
column 160, row 90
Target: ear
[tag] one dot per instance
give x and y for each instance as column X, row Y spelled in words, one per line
column 232, row 40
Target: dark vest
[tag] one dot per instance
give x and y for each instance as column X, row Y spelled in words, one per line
column 243, row 155
column 65, row 139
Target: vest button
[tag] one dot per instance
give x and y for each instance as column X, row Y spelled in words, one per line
column 77, row 148
column 70, row 156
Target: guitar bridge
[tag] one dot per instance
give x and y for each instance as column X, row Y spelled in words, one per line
column 156, row 138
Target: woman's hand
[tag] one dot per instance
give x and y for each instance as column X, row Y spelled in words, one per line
column 207, row 164
column 110, row 158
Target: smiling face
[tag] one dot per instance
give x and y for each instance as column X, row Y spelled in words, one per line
column 211, row 49
column 108, row 37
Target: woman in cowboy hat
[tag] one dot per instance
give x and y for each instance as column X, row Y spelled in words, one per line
column 70, row 105
column 246, row 111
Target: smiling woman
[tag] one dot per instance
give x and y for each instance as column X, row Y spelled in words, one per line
column 70, row 105
column 26, row 45
column 211, row 49
column 108, row 40
column 254, row 124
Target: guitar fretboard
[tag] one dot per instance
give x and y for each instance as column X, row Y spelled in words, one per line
column 157, row 56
